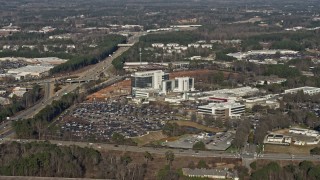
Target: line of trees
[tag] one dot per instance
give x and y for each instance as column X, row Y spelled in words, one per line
column 19, row 104
column 35, row 127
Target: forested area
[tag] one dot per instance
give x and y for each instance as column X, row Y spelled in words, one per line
column 19, row 104
column 37, row 126
column 290, row 40
column 107, row 47
column 48, row 160
column 273, row 171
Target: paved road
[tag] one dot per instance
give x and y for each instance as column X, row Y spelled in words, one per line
column 187, row 153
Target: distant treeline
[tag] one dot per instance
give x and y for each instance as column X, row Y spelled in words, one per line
column 28, row 100
column 107, row 47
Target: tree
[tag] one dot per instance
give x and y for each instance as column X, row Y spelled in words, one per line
column 315, row 151
column 202, row 164
column 193, row 117
column 199, row 146
column 305, row 165
column 169, row 157
column 126, row 159
column 148, row 157
column 253, row 165
column 118, row 138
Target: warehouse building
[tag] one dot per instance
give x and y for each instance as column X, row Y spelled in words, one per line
column 30, row 71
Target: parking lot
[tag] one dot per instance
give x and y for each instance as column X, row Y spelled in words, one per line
column 219, row 141
column 101, row 119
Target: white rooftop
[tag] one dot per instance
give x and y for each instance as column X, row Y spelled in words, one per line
column 30, row 69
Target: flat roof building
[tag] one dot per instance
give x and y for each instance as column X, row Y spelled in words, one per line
column 209, row 173
column 29, row 71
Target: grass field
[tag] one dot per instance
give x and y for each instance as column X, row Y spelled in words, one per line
column 292, row 149
column 196, row 125
column 148, row 138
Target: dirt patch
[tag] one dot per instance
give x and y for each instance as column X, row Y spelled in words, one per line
column 118, row 89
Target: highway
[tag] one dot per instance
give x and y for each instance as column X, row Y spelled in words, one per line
column 92, row 73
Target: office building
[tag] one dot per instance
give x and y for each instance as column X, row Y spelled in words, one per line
column 147, row 80
column 224, row 110
column 179, row 84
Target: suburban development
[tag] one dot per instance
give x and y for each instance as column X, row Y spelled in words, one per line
column 167, row 90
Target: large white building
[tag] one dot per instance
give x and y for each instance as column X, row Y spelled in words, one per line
column 306, row 90
column 33, row 71
column 147, row 83
column 179, row 84
column 147, row 80
column 223, row 109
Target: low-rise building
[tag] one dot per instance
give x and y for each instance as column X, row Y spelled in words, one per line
column 18, row 91
column 224, row 110
column 306, row 132
column 157, row 45
column 209, row 46
column 173, row 45
column 194, row 45
column 306, row 90
column 270, row 80
column 278, row 139
column 209, row 173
